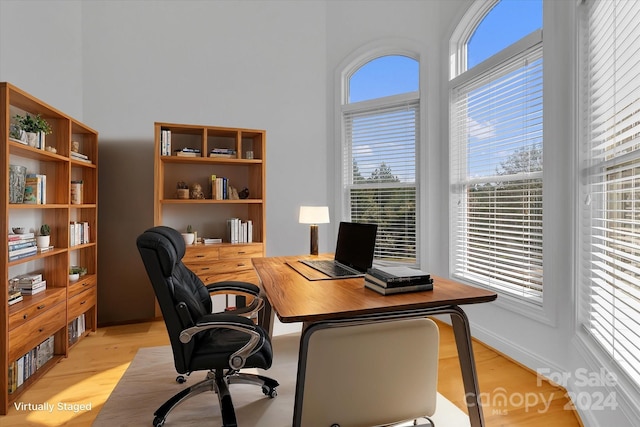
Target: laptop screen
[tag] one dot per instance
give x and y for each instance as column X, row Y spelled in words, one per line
column 355, row 245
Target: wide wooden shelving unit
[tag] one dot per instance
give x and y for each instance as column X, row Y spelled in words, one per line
column 57, row 310
column 245, row 169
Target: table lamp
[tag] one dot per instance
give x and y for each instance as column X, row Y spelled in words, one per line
column 314, row 215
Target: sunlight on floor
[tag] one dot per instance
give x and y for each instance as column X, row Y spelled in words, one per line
column 75, row 400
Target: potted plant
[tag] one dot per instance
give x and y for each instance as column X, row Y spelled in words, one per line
column 182, row 190
column 35, row 128
column 190, row 236
column 76, row 272
column 43, row 239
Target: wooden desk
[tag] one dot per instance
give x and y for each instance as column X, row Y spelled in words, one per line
column 296, row 299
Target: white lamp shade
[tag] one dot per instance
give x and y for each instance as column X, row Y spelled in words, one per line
column 314, row 215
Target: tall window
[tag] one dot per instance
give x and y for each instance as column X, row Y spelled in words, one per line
column 380, row 119
column 610, row 273
column 496, row 149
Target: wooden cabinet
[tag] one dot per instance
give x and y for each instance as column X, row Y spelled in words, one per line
column 46, row 322
column 192, row 154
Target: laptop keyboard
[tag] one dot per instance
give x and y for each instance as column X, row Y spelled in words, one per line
column 330, row 268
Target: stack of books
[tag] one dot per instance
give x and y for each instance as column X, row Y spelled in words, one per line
column 80, row 157
column 14, row 296
column 227, row 153
column 22, row 245
column 239, row 231
column 188, row 152
column 31, row 284
column 395, row 280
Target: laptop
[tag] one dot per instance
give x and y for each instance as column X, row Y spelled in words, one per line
column 354, row 251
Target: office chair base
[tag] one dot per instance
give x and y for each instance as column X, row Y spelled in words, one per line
column 217, row 381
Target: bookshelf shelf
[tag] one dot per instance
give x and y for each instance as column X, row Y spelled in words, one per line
column 245, row 168
column 39, row 325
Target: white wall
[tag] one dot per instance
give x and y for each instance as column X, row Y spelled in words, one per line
column 41, row 51
column 247, row 64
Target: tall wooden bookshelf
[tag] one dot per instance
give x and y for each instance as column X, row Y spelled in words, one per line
column 66, row 310
column 242, row 163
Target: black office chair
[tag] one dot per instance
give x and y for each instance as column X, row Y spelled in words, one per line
column 220, row 343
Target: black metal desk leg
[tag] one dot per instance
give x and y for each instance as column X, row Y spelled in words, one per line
column 462, row 335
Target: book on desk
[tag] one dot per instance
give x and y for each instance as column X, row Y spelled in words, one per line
column 394, row 280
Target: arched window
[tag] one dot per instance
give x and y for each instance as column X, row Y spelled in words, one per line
column 496, row 147
column 380, row 133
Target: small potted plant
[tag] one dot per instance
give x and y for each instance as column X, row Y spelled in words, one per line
column 190, row 236
column 35, row 128
column 182, row 190
column 74, row 273
column 43, row 239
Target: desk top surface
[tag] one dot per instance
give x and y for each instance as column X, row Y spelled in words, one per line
column 296, row 299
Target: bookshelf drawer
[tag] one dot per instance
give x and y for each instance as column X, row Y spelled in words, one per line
column 81, row 303
column 40, row 304
column 241, row 251
column 27, row 336
column 81, row 285
column 200, row 253
column 240, row 276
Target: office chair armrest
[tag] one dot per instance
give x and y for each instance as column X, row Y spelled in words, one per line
column 240, row 288
column 232, row 322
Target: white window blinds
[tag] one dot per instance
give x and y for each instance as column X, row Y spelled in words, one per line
column 610, row 273
column 380, row 171
column 496, row 171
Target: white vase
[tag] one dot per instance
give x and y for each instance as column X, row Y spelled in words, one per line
column 32, row 139
column 189, row 238
column 43, row 241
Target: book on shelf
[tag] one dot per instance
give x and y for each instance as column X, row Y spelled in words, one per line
column 45, row 249
column 33, row 289
column 80, row 157
column 77, row 155
column 22, row 253
column 224, row 153
column 397, row 289
column 21, row 369
column 219, row 187
column 78, row 233
column 15, row 297
column 211, row 240
column 389, row 276
column 35, row 189
column 23, row 236
column 239, row 231
column 28, row 279
column 20, row 244
column 165, row 142
column 187, row 152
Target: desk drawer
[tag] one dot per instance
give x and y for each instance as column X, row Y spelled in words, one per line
column 41, row 304
column 81, row 303
column 27, row 336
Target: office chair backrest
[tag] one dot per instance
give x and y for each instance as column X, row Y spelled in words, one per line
column 162, row 249
column 367, row 374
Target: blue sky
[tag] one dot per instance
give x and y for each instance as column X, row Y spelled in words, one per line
column 508, row 21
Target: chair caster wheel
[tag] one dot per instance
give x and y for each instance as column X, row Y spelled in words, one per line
column 269, row 391
column 180, row 379
column 158, row 422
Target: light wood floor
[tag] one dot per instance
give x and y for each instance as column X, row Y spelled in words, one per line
column 512, row 395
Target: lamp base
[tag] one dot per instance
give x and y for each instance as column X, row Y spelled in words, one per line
column 313, row 250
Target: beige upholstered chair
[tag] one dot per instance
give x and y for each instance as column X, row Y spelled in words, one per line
column 367, row 374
